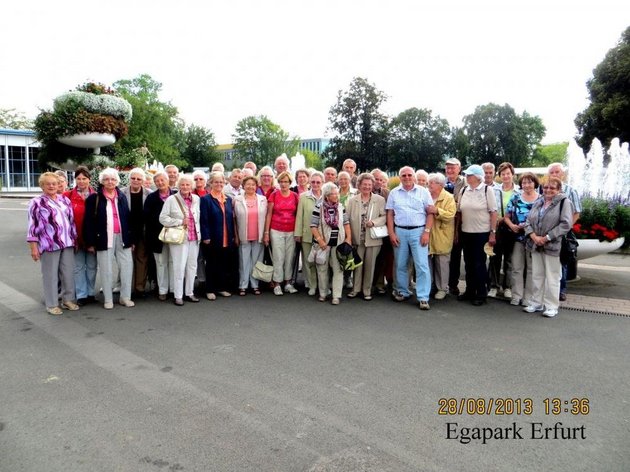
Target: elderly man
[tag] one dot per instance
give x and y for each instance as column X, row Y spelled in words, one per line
column 136, row 194
column 454, row 184
column 233, row 187
column 330, row 175
column 351, row 168
column 557, row 170
column 281, row 164
column 173, row 175
column 409, row 222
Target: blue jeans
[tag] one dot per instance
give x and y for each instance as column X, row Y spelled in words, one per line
column 563, row 280
column 410, row 244
column 84, row 273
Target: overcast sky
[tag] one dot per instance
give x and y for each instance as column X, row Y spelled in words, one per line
column 220, row 61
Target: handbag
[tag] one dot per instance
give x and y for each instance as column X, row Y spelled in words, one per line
column 377, row 232
column 568, row 249
column 263, row 270
column 174, row 234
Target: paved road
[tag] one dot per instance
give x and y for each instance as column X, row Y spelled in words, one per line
column 270, row 384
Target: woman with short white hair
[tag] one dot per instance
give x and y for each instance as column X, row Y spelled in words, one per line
column 107, row 230
column 182, row 209
column 200, row 181
column 330, row 227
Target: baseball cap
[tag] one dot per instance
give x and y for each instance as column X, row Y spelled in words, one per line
column 474, row 169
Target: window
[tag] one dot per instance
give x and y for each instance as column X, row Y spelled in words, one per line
column 33, row 152
column 17, row 167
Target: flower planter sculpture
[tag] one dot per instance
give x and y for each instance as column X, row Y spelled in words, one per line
column 81, row 122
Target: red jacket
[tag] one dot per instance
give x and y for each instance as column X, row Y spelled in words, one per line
column 78, row 209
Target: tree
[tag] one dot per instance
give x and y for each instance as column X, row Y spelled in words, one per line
column 361, row 128
column 312, row 159
column 259, row 139
column 608, row 115
column 547, row 153
column 419, row 139
column 497, row 134
column 199, row 147
column 155, row 123
column 12, row 119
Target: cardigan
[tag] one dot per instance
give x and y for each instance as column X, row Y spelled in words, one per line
column 95, row 220
column 152, row 226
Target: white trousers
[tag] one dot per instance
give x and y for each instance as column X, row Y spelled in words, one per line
column 249, row 252
column 521, row 273
column 184, row 267
column 164, row 270
column 337, row 275
column 124, row 260
column 546, row 273
column 283, row 252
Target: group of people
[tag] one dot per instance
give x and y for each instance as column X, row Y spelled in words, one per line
column 410, row 238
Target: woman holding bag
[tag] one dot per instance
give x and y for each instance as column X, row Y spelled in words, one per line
column 250, row 210
column 182, row 210
column 365, row 212
column 330, row 227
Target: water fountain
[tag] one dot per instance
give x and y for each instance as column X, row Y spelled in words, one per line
column 603, row 174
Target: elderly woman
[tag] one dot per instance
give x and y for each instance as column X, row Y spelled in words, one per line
column 282, row 207
column 303, row 234
column 442, row 234
column 516, row 213
column 548, row 221
column 200, row 181
column 220, row 241
column 422, row 178
column 182, row 209
column 344, row 181
column 161, row 252
column 250, row 211
column 52, row 236
column 330, row 227
column 107, row 230
column 477, row 217
column 84, row 261
column 502, row 258
column 266, row 183
column 62, row 175
column 302, row 177
column 365, row 211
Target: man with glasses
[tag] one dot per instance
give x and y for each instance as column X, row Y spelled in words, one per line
column 409, row 222
column 136, row 194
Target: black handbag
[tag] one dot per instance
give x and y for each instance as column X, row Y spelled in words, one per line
column 569, row 249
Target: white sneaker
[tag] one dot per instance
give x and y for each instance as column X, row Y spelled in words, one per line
column 550, row 313
column 532, row 308
column 289, row 288
column 277, row 290
column 515, row 302
column 492, row 293
column 440, row 295
column 126, row 302
column 108, row 305
column 311, row 292
column 507, row 293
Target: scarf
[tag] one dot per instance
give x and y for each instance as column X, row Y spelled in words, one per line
column 331, row 215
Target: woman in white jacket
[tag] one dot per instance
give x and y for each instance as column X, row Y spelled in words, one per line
column 182, row 209
column 250, row 210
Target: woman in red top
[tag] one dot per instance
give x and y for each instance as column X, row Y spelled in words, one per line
column 279, row 228
column 84, row 261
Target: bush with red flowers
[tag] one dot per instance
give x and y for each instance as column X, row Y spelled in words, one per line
column 603, row 219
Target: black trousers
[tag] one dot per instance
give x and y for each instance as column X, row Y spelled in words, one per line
column 475, row 264
column 221, row 268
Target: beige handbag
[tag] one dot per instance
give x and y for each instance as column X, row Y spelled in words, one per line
column 174, row 234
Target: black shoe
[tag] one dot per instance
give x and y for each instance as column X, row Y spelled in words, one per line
column 478, row 301
column 82, row 301
column 563, row 297
column 91, row 299
column 464, row 297
column 192, row 299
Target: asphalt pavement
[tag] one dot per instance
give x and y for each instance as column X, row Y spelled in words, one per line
column 290, row 384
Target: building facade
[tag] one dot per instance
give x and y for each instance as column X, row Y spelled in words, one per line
column 19, row 169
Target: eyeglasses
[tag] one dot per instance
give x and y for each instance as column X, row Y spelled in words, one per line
column 406, row 175
column 136, row 178
column 548, row 187
column 199, row 178
column 267, row 176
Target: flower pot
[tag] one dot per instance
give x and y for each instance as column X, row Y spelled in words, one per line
column 593, row 247
column 89, row 140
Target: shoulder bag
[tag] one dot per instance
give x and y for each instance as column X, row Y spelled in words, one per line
column 174, row 234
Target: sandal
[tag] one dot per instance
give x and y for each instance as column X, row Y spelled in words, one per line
column 242, row 292
column 256, row 291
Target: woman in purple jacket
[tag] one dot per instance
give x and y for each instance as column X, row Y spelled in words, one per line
column 52, row 236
